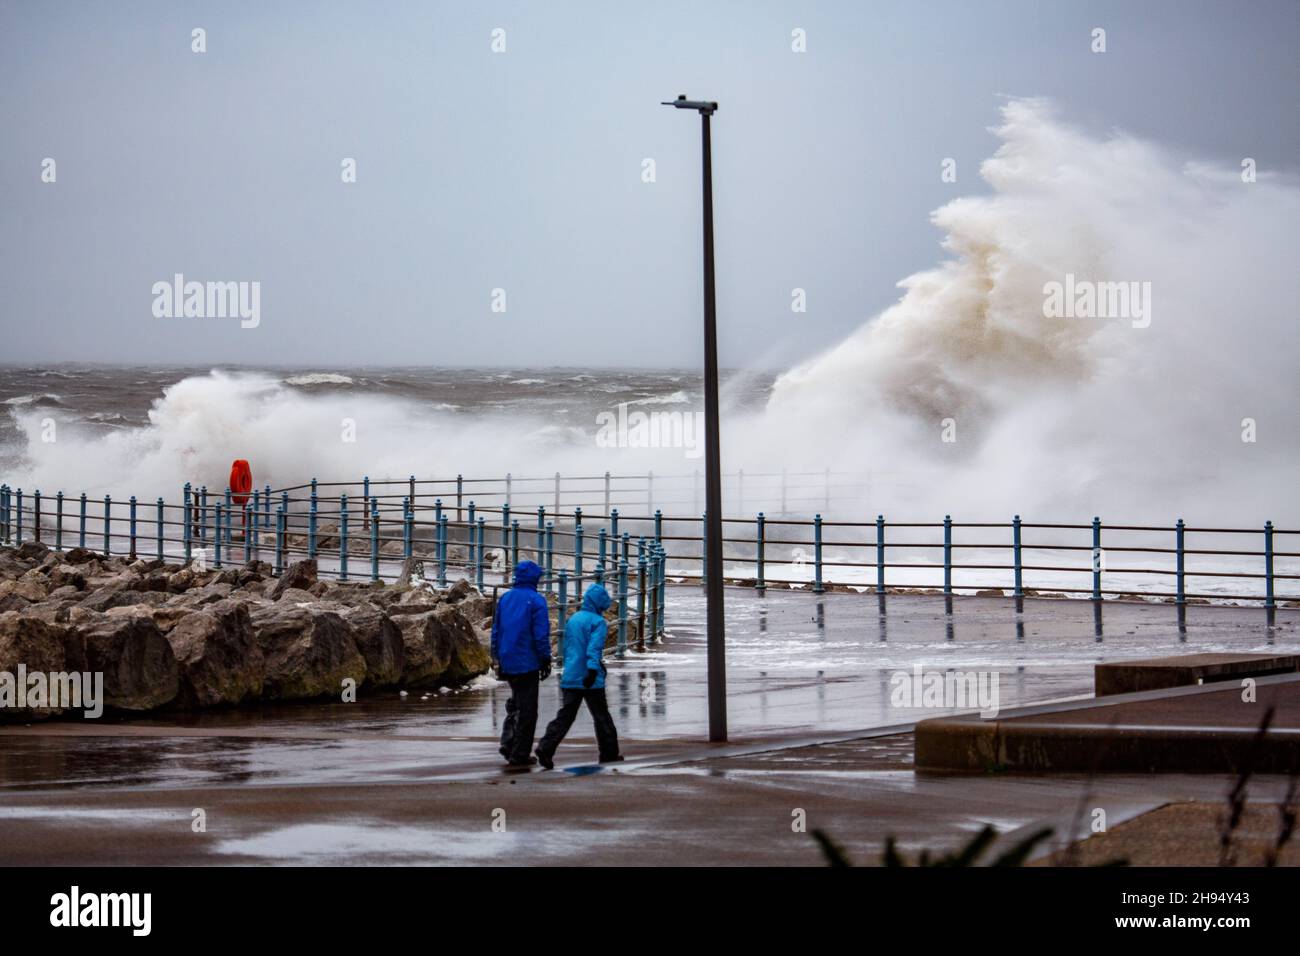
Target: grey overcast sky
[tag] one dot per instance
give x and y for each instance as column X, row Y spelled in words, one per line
column 522, row 170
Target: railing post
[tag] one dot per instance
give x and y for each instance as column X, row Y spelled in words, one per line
column 36, row 515
column 817, row 555
column 640, row 602
column 947, row 554
column 343, row 536
column 1268, row 564
column 313, row 519
column 577, row 515
column 108, row 517
column 230, row 518
column 627, row 544
column 652, row 573
column 408, row 526
column 659, row 525
column 622, row 609
column 374, row 540
column 469, row 534
column 478, row 551
column 505, row 526
column 541, row 535
column 410, row 494
column 131, row 512
column 216, row 541
column 1096, row 559
column 280, row 518
column 602, row 544
column 663, row 589
column 1015, row 547
column 58, row 521
column 577, row 555
column 437, row 512
column 203, row 516
column 880, row 554
column 266, row 506
column 19, row 539
column 1179, row 528
column 508, row 495
column 248, row 534
column 460, row 492
column 514, row 547
column 760, row 535
column 187, row 522
column 550, row 555
column 613, row 524
column 441, row 548
column 365, row 502
column 160, row 524
column 607, row 511
column 284, row 503
column 562, row 607
column 81, row 535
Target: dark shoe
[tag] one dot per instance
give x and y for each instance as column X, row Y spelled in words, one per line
column 504, row 751
column 617, row 758
column 523, row 762
column 546, row 760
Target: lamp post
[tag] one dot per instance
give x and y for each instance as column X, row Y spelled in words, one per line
column 715, row 631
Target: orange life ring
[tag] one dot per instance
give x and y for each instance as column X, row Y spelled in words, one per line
column 241, row 481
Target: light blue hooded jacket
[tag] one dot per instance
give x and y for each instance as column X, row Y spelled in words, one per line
column 584, row 640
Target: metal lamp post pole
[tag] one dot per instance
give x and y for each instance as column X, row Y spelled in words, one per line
column 716, row 629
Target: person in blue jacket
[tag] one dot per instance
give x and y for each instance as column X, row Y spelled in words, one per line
column 583, row 680
column 521, row 656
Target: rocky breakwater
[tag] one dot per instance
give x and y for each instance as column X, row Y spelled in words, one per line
column 166, row 636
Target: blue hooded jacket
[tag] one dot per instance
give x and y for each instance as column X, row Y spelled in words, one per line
column 521, row 624
column 584, row 640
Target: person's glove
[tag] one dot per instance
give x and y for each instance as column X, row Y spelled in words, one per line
column 545, row 672
column 589, row 680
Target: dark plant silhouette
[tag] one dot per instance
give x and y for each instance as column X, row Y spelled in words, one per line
column 1286, row 811
column 1237, row 795
column 968, row 855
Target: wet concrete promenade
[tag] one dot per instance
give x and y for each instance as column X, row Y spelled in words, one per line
column 815, row 737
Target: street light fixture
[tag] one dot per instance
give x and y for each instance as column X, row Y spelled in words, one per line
column 715, row 628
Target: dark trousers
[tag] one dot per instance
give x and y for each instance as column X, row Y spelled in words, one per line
column 606, row 735
column 521, row 716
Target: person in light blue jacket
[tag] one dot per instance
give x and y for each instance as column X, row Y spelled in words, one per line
column 583, row 680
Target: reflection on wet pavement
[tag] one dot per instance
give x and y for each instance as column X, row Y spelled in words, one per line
column 794, row 662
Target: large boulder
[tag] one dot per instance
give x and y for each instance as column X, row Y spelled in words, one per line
column 469, row 656
column 380, row 642
column 309, row 652
column 218, row 655
column 140, row 670
column 441, row 647
column 300, row 575
column 67, row 574
column 17, row 595
column 40, row 647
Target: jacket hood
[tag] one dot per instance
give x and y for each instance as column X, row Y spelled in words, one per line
column 596, row 599
column 527, row 574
